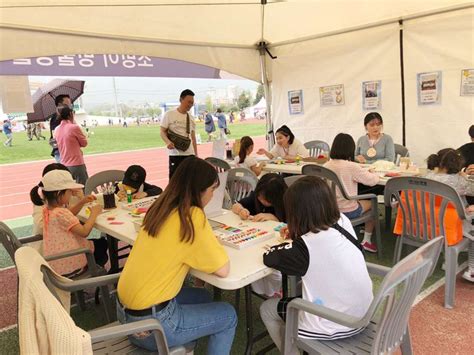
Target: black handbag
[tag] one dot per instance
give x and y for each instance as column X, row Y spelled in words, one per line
column 180, row 142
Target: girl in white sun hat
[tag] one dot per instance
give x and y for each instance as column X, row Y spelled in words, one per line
column 62, row 230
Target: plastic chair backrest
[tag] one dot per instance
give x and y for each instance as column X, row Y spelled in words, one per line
column 240, row 183
column 219, row 164
column 102, row 178
column 289, row 180
column 423, row 204
column 316, row 148
column 398, row 292
column 9, row 240
column 328, row 175
column 401, row 150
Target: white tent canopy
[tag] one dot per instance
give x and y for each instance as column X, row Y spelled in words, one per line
column 219, row 33
column 317, row 43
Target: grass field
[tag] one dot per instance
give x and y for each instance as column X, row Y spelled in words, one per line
column 111, row 139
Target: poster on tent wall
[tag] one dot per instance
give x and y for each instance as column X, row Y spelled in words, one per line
column 429, row 88
column 295, row 102
column 372, row 95
column 331, row 95
column 467, row 82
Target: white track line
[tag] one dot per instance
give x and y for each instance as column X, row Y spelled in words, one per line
column 13, row 326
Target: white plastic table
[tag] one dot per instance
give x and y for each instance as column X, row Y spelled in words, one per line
column 246, row 265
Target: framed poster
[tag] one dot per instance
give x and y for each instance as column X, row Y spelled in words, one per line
column 467, row 82
column 372, row 95
column 331, row 95
column 295, row 102
column 428, row 87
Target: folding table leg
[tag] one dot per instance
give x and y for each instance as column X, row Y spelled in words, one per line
column 249, row 319
column 113, row 254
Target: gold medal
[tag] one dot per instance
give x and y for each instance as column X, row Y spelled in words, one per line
column 371, row 152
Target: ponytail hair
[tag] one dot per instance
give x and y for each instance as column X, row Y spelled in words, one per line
column 65, row 113
column 452, row 162
column 245, row 143
column 35, row 197
column 448, row 159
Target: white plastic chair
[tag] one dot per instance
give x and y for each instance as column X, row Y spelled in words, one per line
column 395, row 297
column 415, row 230
column 111, row 339
column 316, row 148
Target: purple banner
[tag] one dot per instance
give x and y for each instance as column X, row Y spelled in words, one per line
column 107, row 65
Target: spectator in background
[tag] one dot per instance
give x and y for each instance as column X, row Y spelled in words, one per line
column 71, row 139
column 231, row 117
column 38, row 127
column 60, row 101
column 29, row 133
column 209, row 125
column 7, row 130
column 181, row 122
column 467, row 150
column 222, row 124
column 32, row 130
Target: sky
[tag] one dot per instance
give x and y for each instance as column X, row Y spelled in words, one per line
column 99, row 90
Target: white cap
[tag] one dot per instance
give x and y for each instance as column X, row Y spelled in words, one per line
column 57, row 180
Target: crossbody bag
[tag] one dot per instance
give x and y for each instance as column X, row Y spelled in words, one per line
column 349, row 236
column 181, row 142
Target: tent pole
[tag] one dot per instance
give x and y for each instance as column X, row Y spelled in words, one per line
column 402, row 83
column 268, row 95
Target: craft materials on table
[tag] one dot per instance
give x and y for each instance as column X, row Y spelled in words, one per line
column 139, row 204
column 279, row 227
column 241, row 238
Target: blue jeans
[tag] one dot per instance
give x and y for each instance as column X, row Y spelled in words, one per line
column 356, row 213
column 187, row 317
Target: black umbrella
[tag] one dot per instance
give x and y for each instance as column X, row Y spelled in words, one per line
column 43, row 98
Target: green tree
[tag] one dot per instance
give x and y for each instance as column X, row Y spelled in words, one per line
column 259, row 95
column 209, row 104
column 244, row 100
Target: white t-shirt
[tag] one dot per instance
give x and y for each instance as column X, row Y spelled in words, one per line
column 248, row 162
column 176, row 121
column 341, row 283
column 297, row 148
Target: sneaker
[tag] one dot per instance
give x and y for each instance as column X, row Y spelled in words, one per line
column 370, row 247
column 468, row 275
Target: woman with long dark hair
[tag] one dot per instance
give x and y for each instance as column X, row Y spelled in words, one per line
column 175, row 237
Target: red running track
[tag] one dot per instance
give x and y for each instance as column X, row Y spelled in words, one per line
column 16, row 180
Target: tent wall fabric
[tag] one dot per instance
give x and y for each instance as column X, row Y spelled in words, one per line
column 439, row 43
column 347, row 59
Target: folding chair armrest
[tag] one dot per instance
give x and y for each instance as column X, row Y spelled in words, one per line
column 31, row 239
column 378, row 270
column 299, row 304
column 91, row 282
column 68, row 253
column 364, row 197
column 121, row 330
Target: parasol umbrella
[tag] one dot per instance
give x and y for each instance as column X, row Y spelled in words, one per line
column 43, row 98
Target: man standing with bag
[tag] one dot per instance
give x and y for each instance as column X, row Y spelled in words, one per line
column 178, row 131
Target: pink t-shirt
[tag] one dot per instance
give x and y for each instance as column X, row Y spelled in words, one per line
column 58, row 238
column 70, row 141
column 350, row 174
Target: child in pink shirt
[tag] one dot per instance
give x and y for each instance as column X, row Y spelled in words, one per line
column 62, row 230
column 350, row 174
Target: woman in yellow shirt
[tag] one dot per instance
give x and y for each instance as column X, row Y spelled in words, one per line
column 175, row 237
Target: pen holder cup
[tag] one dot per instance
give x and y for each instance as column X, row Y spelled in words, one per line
column 109, row 201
